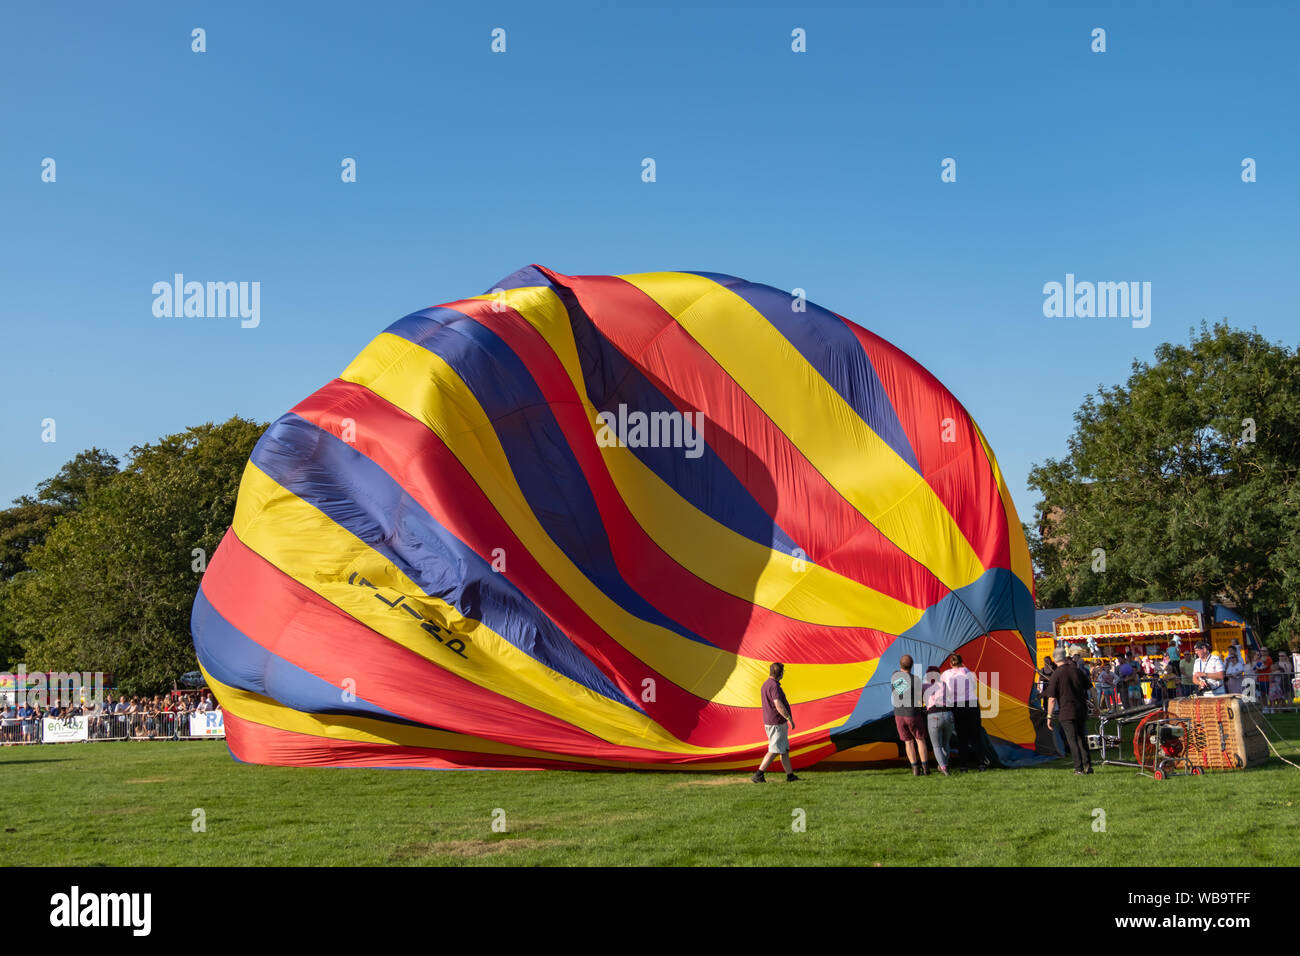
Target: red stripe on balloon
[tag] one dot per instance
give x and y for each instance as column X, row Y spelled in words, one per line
column 298, row 625
column 946, row 445
column 725, row 620
column 794, row 493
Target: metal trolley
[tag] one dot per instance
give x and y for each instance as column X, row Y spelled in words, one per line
column 1161, row 741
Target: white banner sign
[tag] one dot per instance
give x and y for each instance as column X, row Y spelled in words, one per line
column 209, row 724
column 62, row 730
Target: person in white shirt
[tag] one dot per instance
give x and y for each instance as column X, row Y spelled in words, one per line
column 1234, row 670
column 1282, row 686
column 1207, row 672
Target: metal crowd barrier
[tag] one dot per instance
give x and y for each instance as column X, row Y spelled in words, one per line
column 1156, row 691
column 1136, row 693
column 17, row 731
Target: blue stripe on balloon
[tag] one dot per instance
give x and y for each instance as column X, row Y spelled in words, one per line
column 996, row 600
column 235, row 659
column 546, row 469
column 833, row 350
column 708, row 484
column 527, row 277
column 357, row 494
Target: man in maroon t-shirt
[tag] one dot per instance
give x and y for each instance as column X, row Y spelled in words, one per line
column 776, row 713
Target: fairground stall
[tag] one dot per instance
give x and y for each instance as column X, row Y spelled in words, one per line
column 1146, row 630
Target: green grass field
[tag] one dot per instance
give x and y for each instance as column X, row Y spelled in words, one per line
column 131, row 804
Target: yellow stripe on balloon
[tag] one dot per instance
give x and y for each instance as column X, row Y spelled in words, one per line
column 731, row 562
column 1012, row 721
column 424, row 386
column 1021, row 566
column 310, row 547
column 857, row 462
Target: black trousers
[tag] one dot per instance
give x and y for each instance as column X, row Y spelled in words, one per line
column 970, row 743
column 1075, row 730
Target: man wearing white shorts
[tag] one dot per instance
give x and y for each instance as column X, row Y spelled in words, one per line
column 776, row 715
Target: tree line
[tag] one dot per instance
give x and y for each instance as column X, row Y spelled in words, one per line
column 99, row 568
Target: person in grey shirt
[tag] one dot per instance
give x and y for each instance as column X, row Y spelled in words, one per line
column 909, row 715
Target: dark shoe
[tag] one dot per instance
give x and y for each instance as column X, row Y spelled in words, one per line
column 925, row 770
column 1089, row 770
column 758, row 777
column 916, row 770
column 789, row 777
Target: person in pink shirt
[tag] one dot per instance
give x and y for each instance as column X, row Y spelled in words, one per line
column 960, row 681
column 938, row 717
column 965, row 713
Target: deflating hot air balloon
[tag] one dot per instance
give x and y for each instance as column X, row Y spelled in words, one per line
column 571, row 522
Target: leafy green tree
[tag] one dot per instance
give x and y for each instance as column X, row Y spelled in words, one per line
column 78, row 479
column 1182, row 483
column 112, row 585
column 22, row 528
column 25, row 525
column 10, row 647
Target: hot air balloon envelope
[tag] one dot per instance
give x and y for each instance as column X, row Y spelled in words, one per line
column 571, row 523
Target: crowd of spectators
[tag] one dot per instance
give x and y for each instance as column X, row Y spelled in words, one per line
column 1131, row 681
column 117, row 717
column 1273, row 677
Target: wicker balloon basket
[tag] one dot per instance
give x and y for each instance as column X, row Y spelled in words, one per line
column 1223, row 732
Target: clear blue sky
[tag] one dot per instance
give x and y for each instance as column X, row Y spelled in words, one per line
column 818, row 170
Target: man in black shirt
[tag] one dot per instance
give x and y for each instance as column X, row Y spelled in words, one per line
column 1067, row 698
